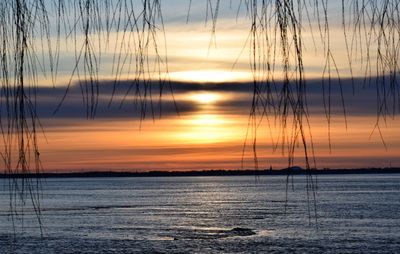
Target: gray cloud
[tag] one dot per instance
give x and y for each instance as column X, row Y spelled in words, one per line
column 363, row 101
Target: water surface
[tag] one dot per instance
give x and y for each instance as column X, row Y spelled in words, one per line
column 235, row 214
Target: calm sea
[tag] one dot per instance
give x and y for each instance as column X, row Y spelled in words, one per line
column 239, row 214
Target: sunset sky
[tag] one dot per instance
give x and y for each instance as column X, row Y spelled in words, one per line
column 211, row 82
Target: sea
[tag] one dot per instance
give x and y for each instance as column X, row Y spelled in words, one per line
column 218, row 214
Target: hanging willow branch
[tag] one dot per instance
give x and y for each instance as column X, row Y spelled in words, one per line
column 371, row 30
column 88, row 28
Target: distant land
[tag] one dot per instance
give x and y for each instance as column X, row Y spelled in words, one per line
column 287, row 171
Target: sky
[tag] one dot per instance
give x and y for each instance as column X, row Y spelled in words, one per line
column 208, row 129
column 201, row 121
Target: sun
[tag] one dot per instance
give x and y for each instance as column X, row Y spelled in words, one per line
column 205, row 97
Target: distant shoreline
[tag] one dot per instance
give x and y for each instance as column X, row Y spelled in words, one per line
column 290, row 171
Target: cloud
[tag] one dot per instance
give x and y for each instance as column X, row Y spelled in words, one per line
column 359, row 98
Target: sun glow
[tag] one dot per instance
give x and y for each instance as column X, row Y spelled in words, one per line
column 205, row 97
column 204, row 128
column 210, row 76
column 205, row 120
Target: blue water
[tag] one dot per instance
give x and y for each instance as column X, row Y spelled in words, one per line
column 355, row 214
